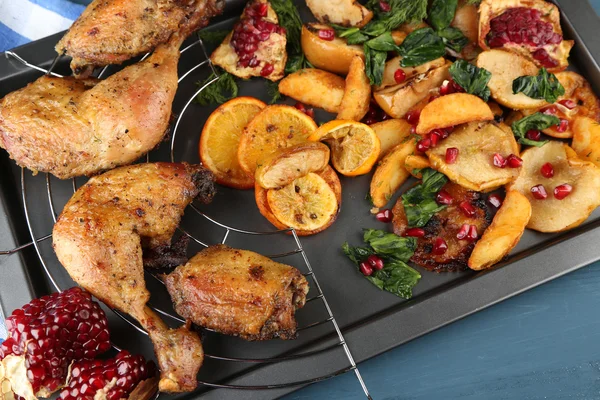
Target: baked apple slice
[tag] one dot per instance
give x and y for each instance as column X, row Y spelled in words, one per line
column 530, row 28
column 256, row 46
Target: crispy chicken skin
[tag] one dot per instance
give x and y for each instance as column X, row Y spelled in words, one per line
column 238, row 292
column 113, row 31
column 72, row 127
column 98, row 238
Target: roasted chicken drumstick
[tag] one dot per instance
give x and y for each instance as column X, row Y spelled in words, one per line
column 71, row 127
column 238, row 292
column 113, row 31
column 99, row 236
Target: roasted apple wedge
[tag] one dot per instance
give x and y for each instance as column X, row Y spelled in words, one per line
column 562, row 188
column 504, row 233
column 586, row 139
column 340, row 12
column 330, row 55
column 530, row 28
column 480, row 164
column 391, row 133
column 451, row 110
column 505, row 68
column 256, row 47
column 316, row 87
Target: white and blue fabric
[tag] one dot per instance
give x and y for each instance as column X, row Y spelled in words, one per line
column 22, row 21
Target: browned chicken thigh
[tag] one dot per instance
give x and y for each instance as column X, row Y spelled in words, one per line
column 238, row 292
column 99, row 237
column 113, row 31
column 72, row 127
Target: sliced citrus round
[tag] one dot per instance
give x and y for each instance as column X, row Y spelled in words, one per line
column 221, row 136
column 298, row 207
column 275, row 127
column 354, row 146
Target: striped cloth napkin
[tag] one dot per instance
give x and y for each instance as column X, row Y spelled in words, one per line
column 22, row 21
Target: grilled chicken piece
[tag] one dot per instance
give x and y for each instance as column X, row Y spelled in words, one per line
column 238, row 292
column 113, row 31
column 447, row 224
column 72, row 127
column 99, row 236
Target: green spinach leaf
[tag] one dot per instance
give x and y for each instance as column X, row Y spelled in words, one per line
column 471, row 78
column 390, row 246
column 543, row 86
column 442, row 13
column 396, row 277
column 376, row 51
column 289, row 18
column 352, row 35
column 420, row 46
column 223, row 89
column 419, row 201
column 536, row 121
column 453, row 38
column 212, row 37
column 356, row 254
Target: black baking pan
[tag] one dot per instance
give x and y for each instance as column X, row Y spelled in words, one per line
column 370, row 320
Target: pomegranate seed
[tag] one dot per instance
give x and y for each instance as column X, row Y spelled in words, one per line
column 562, row 126
column 562, row 191
column 399, row 75
column 262, row 9
column 439, row 246
column 539, row 192
column 445, row 88
column 384, row 215
column 413, row 130
column 451, row 155
column 432, row 98
column 435, row 138
column 547, row 170
column 472, row 233
column 550, row 110
column 385, row 6
column 463, row 232
column 424, row 144
column 412, row 117
column 443, row 197
column 267, row 70
column 47, row 332
column 495, row 200
column 467, row 208
column 570, row 104
column 300, row 106
column 375, row 262
column 365, row 268
column 414, row 232
column 498, row 160
column 534, row 134
column 326, row 34
column 513, row 161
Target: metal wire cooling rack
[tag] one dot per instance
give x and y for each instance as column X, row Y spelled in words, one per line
column 339, row 344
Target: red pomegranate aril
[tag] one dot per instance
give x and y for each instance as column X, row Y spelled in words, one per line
column 498, row 160
column 547, row 170
column 267, row 70
column 451, row 155
column 375, row 262
column 413, row 130
column 463, row 232
column 51, row 332
column 562, row 191
column 534, row 134
column 385, row 6
column 262, row 9
column 432, row 98
column 467, row 208
column 253, row 62
column 434, row 137
column 399, row 75
column 514, row 161
column 412, row 117
column 539, row 192
column 365, row 268
column 472, row 233
column 550, row 110
column 439, row 246
column 445, row 88
column 424, row 144
column 495, row 200
column 570, row 104
column 414, row 232
column 443, row 197
column 326, row 34
column 562, row 126
column 384, row 215
column 544, row 58
column 96, row 377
